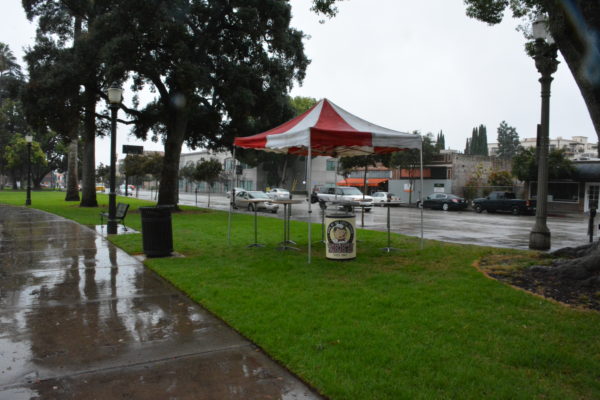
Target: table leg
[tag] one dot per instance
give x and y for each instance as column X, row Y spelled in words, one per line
column 289, row 219
column 256, row 244
column 286, row 223
column 389, row 247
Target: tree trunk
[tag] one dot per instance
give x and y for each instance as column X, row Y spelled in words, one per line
column 580, row 264
column 88, row 178
column 72, row 178
column 579, row 51
column 168, row 192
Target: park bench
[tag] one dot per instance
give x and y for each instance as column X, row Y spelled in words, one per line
column 120, row 214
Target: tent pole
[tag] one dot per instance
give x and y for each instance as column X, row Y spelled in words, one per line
column 421, row 191
column 308, row 186
column 231, row 199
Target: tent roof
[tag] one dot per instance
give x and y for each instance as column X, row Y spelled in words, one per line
column 332, row 131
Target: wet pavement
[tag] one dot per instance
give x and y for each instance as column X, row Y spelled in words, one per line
column 81, row 319
column 466, row 227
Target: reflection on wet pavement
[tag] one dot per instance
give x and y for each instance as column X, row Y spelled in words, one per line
column 81, row 319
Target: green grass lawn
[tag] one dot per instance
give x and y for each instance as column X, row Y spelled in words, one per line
column 412, row 324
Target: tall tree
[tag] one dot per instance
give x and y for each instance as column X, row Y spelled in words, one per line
column 219, row 69
column 51, row 100
column 15, row 155
column 8, row 62
column 508, row 141
column 207, row 171
column 574, row 25
column 440, row 142
column 70, row 26
column 483, row 142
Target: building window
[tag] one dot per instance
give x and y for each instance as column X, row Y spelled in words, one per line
column 562, row 192
column 331, row 165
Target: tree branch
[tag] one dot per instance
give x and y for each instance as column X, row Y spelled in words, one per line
column 122, row 121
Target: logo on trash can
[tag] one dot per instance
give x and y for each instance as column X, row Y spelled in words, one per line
column 340, row 237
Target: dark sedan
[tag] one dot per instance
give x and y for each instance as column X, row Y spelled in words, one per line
column 443, row 201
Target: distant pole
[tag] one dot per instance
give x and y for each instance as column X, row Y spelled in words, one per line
column 114, row 98
column 29, row 139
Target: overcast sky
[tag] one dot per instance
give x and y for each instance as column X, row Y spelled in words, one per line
column 407, row 65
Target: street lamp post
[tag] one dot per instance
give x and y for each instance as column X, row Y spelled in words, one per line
column 115, row 94
column 28, row 139
column 544, row 54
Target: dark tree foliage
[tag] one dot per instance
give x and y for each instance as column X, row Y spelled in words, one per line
column 15, row 156
column 103, row 173
column 52, row 101
column 477, row 145
column 575, row 27
column 525, row 168
column 68, row 27
column 440, row 142
column 508, row 141
column 219, row 70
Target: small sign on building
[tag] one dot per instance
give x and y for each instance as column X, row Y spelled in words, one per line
column 129, row 149
column 438, row 188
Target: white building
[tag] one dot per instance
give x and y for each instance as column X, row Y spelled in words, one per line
column 576, row 148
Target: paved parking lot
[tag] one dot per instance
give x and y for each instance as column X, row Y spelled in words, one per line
column 499, row 230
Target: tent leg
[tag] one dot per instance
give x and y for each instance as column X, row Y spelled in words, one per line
column 308, row 187
column 231, row 200
column 421, row 191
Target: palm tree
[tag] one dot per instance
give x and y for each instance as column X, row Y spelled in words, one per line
column 8, row 62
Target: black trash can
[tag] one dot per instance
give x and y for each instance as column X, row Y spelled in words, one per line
column 157, row 232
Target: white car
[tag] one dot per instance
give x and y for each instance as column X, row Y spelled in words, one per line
column 130, row 190
column 382, row 197
column 340, row 194
column 237, row 190
column 279, row 194
column 244, row 199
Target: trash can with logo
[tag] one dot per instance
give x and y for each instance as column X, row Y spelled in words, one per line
column 157, row 232
column 340, row 242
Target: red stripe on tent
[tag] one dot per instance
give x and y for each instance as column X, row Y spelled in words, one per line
column 330, row 120
column 259, row 141
column 331, row 138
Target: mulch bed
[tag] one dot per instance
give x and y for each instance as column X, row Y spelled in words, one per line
column 525, row 272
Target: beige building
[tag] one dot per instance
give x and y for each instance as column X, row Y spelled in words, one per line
column 576, row 148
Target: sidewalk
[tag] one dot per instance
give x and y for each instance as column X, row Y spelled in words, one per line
column 81, row 319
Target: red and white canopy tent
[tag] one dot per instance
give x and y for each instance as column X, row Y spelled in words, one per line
column 328, row 130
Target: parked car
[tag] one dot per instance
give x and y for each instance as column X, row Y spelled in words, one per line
column 237, row 190
column 279, row 194
column 339, row 194
column 242, row 201
column 444, row 201
column 382, row 197
column 319, row 189
column 504, row 201
column 130, row 190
